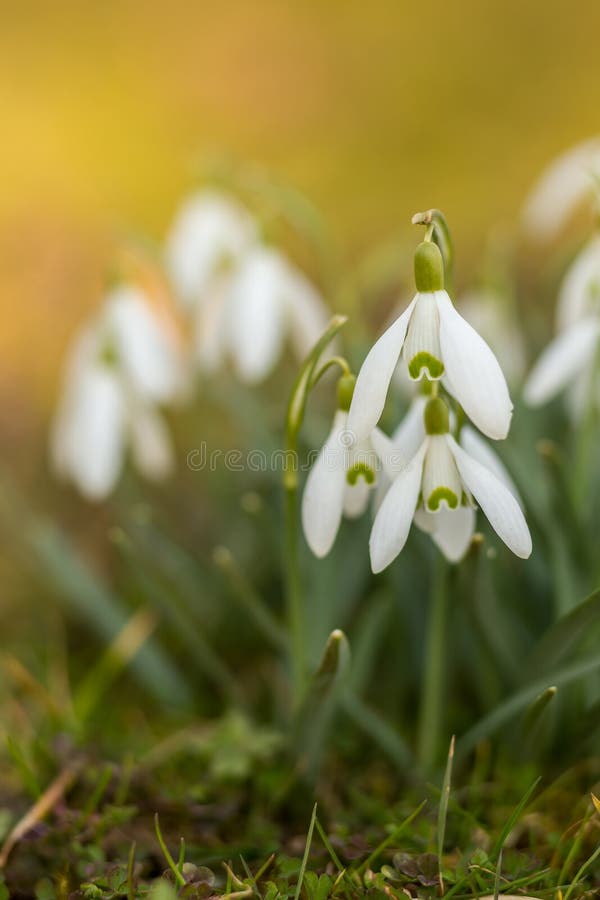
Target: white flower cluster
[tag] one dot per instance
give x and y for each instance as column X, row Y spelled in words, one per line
column 430, row 475
column 239, row 300
column 571, row 360
column 244, row 297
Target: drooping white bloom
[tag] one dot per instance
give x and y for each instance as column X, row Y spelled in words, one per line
column 339, row 484
column 433, row 340
column 210, row 235
column 245, row 298
column 561, row 188
column 570, row 359
column 121, row 366
column 579, row 292
column 436, row 488
column 451, row 529
column 250, row 316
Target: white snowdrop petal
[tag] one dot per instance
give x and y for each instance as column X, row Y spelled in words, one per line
column 562, row 360
column 496, row 501
column 375, row 375
column 441, row 483
column 474, row 372
column 424, row 520
column 564, row 183
column 392, row 459
column 146, row 352
column 579, row 293
column 409, row 434
column 97, row 433
column 492, row 315
column 421, row 351
column 393, row 520
column 323, row 497
column 210, row 230
column 257, row 315
column 151, row 445
column 356, row 498
column 477, row 447
column 453, row 531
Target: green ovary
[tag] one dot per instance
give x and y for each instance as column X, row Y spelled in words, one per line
column 360, row 470
column 440, row 494
column 423, row 360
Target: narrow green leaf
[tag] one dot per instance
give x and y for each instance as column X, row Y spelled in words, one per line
column 390, row 839
column 443, row 813
column 311, row 828
column 536, row 710
column 378, row 729
column 513, row 819
column 564, row 635
column 515, row 704
column 299, row 396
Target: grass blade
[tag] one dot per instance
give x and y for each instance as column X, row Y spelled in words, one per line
column 443, row 812
column 512, row 821
column 311, row 828
column 393, row 836
column 515, row 704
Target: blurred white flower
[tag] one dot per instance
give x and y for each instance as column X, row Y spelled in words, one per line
column 120, row 367
column 561, row 188
column 209, row 236
column 579, row 292
column 246, row 299
column 570, row 360
column 436, row 488
column 450, row 529
column 434, row 340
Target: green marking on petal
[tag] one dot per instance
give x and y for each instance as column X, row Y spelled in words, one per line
column 108, row 354
column 360, row 470
column 440, row 494
column 425, row 362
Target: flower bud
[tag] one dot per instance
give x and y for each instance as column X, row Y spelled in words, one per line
column 429, row 268
column 437, row 418
column 345, row 390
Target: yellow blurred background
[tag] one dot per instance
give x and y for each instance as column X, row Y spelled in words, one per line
column 373, row 109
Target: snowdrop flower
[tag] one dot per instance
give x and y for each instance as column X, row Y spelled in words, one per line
column 246, row 298
column 436, row 488
column 120, row 367
column 451, row 530
column 561, row 188
column 434, row 341
column 579, row 293
column 209, row 236
column 340, row 481
column 571, row 358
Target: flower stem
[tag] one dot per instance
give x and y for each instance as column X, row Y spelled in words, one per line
column 294, row 419
column 585, row 437
column 433, row 677
column 295, row 618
